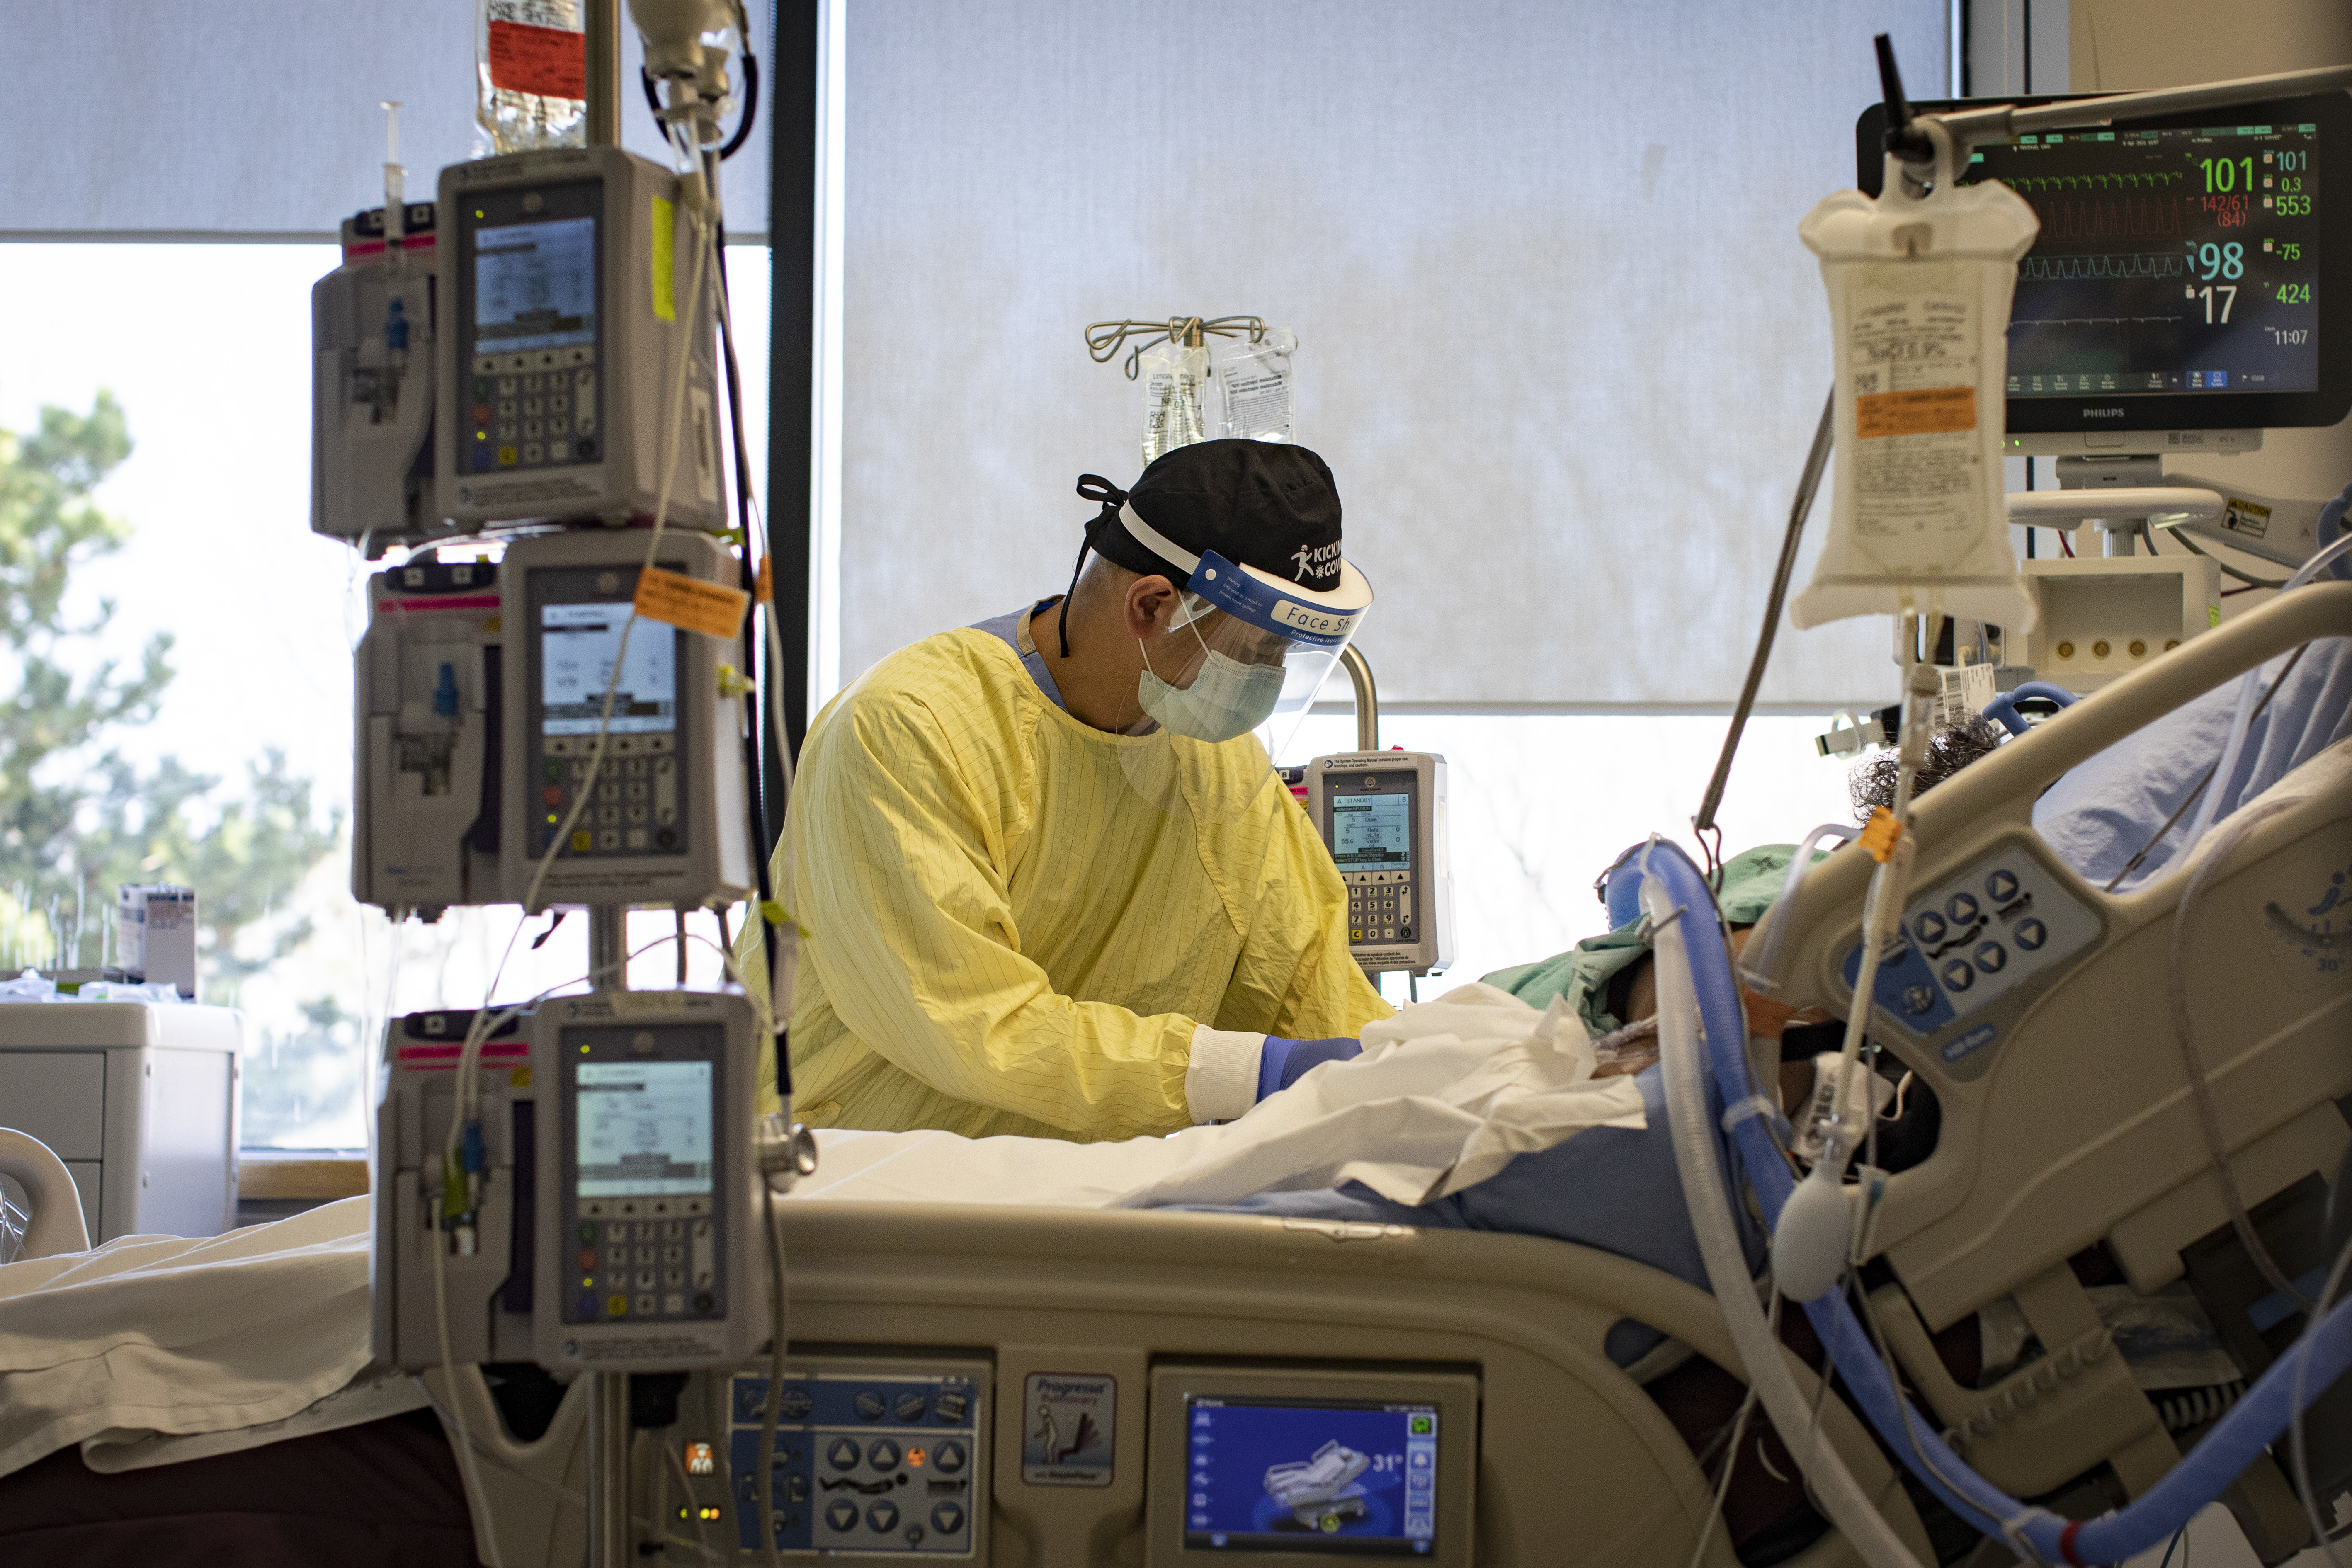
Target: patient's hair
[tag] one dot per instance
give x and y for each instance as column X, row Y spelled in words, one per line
column 1949, row 749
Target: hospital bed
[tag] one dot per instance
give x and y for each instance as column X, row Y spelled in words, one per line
column 2066, row 1133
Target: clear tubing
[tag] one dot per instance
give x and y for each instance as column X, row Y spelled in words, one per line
column 2210, row 808
column 1758, row 973
column 1681, row 980
column 2322, row 1355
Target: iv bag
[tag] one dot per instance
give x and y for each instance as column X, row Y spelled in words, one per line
column 1919, row 292
column 1253, row 386
column 1174, row 378
column 532, row 68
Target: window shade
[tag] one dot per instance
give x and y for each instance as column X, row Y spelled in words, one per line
column 236, row 118
column 1559, row 340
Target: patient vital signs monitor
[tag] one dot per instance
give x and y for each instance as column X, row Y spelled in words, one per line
column 2190, row 284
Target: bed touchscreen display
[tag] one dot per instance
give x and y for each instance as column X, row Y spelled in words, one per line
column 578, row 643
column 644, row 1128
column 1372, row 832
column 1342, row 1479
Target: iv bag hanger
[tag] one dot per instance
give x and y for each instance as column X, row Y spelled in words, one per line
column 1105, row 339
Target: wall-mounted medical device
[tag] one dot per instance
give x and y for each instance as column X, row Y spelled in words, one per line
column 372, row 385
column 568, row 278
column 648, row 1221
column 2191, row 284
column 2105, row 616
column 427, row 806
column 658, row 783
column 1382, row 816
column 1262, row 1465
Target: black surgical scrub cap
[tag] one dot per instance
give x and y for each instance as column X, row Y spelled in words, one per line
column 1257, row 504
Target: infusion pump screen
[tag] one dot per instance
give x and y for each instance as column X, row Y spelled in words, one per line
column 2170, row 260
column 1342, row 1479
column 535, row 285
column 1372, row 832
column 577, row 646
column 644, row 1128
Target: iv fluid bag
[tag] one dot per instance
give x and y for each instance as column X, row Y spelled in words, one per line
column 1174, row 380
column 531, row 65
column 1919, row 292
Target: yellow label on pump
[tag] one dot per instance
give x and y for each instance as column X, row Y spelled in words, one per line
column 712, row 608
column 665, row 260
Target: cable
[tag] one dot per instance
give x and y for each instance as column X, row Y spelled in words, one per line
column 2179, row 811
column 751, row 105
column 2242, row 720
column 774, row 1414
column 1808, row 483
column 1731, row 1455
column 2297, row 1442
column 456, row 1401
column 2248, row 578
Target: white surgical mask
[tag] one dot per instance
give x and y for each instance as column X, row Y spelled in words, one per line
column 1227, row 699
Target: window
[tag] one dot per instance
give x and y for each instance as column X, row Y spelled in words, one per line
column 206, row 350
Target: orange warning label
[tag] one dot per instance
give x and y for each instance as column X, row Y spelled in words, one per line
column 550, row 61
column 1928, row 411
column 711, row 608
column 766, row 590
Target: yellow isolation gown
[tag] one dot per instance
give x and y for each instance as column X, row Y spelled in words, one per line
column 1019, row 924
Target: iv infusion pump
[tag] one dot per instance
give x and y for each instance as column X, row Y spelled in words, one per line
column 481, row 692
column 661, row 809
column 602, row 1216
column 1382, row 816
column 569, row 278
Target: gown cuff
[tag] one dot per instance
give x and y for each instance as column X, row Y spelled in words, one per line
column 1222, row 1080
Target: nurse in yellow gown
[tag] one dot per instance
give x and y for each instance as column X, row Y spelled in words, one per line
column 1052, row 884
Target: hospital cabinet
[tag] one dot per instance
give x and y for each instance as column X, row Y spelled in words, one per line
column 140, row 1100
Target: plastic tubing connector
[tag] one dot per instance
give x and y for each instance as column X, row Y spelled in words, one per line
column 2324, row 1352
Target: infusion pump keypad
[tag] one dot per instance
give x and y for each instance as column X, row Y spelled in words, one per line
column 1380, row 906
column 536, row 409
column 1970, row 941
column 869, row 1460
column 632, row 797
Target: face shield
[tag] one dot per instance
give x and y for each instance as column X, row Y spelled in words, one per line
column 1248, row 650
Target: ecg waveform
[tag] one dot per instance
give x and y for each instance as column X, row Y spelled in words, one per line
column 2087, row 321
column 2068, row 268
column 2066, row 218
column 2152, row 179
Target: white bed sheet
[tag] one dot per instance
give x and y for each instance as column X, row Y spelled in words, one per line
column 155, row 1349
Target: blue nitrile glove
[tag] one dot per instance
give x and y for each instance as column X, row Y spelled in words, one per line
column 1285, row 1062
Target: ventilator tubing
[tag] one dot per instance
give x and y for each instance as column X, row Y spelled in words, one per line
column 1695, row 987
column 2002, row 709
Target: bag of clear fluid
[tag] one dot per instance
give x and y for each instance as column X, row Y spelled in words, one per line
column 1253, row 386
column 1175, row 381
column 530, row 60
column 1919, row 288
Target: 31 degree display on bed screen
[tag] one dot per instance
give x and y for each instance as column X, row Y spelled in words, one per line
column 1262, row 1464
column 1355, row 1479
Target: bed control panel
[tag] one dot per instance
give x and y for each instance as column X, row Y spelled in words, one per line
column 874, row 1458
column 1985, row 936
